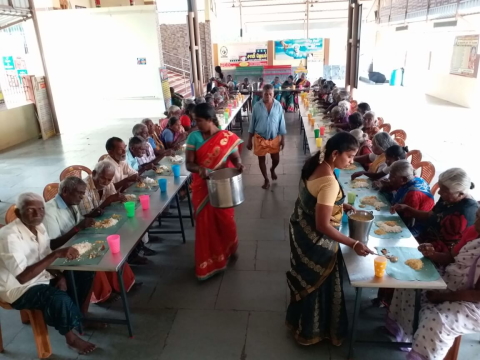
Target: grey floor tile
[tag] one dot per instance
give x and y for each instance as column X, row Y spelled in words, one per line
column 206, row 335
column 252, row 290
column 273, row 256
column 255, row 170
column 277, row 209
column 249, row 210
column 269, row 339
column 246, row 255
column 290, row 193
column 254, row 193
column 260, row 229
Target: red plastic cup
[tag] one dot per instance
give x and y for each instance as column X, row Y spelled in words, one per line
column 114, row 243
column 322, row 130
column 144, row 201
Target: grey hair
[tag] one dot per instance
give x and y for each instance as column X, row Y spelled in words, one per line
column 456, row 180
column 188, row 101
column 26, row 197
column 267, row 87
column 359, row 135
column 104, row 165
column 343, row 95
column 371, row 113
column 137, row 129
column 338, row 112
column 402, row 168
column 345, row 104
column 70, row 184
column 172, row 109
column 200, row 100
column 383, row 140
column 146, row 120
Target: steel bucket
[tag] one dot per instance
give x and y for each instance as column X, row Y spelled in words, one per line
column 225, row 188
column 360, row 229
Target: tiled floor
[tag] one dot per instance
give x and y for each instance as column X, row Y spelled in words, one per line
column 236, row 315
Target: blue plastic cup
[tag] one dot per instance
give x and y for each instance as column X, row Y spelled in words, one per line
column 337, row 172
column 176, row 170
column 162, row 184
column 344, row 218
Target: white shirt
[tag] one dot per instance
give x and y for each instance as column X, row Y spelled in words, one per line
column 92, row 198
column 122, row 169
column 19, row 248
column 59, row 217
column 149, row 155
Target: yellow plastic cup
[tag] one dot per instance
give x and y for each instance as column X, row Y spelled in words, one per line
column 318, row 141
column 380, row 264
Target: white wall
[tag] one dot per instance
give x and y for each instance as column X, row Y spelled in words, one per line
column 91, row 57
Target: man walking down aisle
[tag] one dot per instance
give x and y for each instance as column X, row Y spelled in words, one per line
column 267, row 132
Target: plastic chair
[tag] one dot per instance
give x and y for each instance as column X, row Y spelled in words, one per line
column 32, row 317
column 416, row 157
column 434, row 189
column 428, row 170
column 101, row 158
column 453, row 352
column 50, row 191
column 74, row 170
column 399, row 141
column 399, row 134
column 385, row 127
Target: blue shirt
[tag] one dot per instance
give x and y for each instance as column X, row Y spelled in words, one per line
column 152, row 142
column 268, row 126
column 167, row 136
column 132, row 160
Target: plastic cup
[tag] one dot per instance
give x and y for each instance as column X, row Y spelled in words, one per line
column 144, row 201
column 176, row 170
column 344, row 218
column 162, row 184
column 337, row 173
column 322, row 130
column 380, row 264
column 351, row 198
column 317, row 133
column 130, row 207
column 318, row 141
column 114, row 243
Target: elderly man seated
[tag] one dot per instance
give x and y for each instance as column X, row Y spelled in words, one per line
column 63, row 220
column 150, row 156
column 125, row 175
column 25, row 282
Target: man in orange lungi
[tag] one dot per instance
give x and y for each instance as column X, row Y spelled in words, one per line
column 267, row 132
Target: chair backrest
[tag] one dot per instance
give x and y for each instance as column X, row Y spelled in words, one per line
column 10, row 214
column 74, row 170
column 50, row 191
column 428, row 170
column 434, row 189
column 416, row 157
column 385, row 127
column 399, row 141
column 102, row 157
column 399, row 134
column 380, row 121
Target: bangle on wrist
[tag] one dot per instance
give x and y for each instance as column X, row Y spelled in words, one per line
column 77, row 229
column 356, row 242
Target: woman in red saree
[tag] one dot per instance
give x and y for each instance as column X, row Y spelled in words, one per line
column 210, row 148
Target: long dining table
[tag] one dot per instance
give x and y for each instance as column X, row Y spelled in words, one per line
column 131, row 233
column 360, row 270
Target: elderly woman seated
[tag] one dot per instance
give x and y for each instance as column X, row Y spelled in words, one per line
column 451, row 215
column 172, row 111
column 370, row 124
column 377, row 160
column 25, row 282
column 444, row 314
column 409, row 190
column 339, row 116
column 172, row 136
column 150, row 156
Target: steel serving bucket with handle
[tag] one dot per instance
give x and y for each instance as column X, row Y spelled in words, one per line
column 360, row 229
column 225, row 188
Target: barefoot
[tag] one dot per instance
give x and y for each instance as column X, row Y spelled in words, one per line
column 266, row 185
column 274, row 175
column 78, row 344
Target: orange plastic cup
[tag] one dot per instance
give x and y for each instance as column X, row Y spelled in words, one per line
column 380, row 264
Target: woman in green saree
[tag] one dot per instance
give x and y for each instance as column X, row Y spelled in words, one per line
column 317, row 306
column 288, row 97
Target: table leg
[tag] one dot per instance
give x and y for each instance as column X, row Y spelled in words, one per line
column 305, row 143
column 180, row 217
column 123, row 294
column 75, row 295
column 190, row 206
column 416, row 314
column 353, row 331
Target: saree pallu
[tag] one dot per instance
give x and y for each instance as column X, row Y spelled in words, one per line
column 215, row 231
column 373, row 168
column 317, row 305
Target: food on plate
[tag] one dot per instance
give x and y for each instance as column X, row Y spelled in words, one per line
column 380, row 232
column 83, row 247
column 177, row 159
column 106, row 223
column 360, row 183
column 116, row 217
column 141, row 184
column 130, row 197
column 415, row 264
column 148, row 181
column 388, row 227
column 373, row 201
column 351, row 167
column 362, row 206
column 161, row 169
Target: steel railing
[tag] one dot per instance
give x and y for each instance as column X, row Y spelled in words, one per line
column 182, row 67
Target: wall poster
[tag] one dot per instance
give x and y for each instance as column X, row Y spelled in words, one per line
column 167, row 97
column 242, row 54
column 299, row 49
column 465, row 56
column 44, row 111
